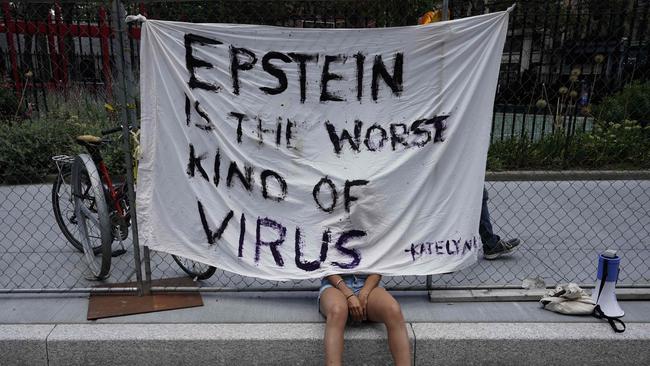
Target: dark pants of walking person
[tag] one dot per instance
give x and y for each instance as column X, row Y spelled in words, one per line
column 493, row 245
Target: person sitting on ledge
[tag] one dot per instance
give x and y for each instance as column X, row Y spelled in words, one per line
column 360, row 298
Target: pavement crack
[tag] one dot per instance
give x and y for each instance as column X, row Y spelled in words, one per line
column 415, row 348
column 47, row 342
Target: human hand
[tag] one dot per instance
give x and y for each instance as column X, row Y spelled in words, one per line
column 355, row 308
column 363, row 299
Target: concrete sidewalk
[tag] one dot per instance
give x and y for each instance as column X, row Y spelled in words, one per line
column 286, row 329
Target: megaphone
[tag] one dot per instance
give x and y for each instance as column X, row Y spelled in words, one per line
column 604, row 294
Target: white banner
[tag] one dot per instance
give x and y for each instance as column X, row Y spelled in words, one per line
column 286, row 153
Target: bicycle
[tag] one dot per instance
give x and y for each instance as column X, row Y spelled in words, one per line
column 86, row 201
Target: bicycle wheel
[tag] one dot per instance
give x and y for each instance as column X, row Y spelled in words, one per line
column 93, row 219
column 197, row 270
column 63, row 208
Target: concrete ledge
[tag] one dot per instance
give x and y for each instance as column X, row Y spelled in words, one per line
column 210, row 344
column 24, row 344
column 302, row 344
column 530, row 344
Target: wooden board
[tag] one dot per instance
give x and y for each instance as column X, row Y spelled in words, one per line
column 118, row 304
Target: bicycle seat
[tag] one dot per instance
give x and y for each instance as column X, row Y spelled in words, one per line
column 89, row 140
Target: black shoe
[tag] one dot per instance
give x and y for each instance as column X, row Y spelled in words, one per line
column 502, row 247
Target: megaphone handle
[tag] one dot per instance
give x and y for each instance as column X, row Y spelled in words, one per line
column 598, row 313
column 603, row 280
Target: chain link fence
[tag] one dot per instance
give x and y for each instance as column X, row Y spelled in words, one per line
column 573, row 95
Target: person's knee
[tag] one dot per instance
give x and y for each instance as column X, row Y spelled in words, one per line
column 337, row 313
column 394, row 313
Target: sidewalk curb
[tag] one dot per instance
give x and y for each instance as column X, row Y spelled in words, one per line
column 301, row 344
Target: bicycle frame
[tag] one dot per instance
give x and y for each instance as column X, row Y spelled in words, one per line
column 114, row 195
column 103, row 170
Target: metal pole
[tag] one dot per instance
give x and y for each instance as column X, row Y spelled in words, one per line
column 147, row 270
column 155, row 289
column 71, row 290
column 445, row 10
column 13, row 56
column 124, row 81
column 164, row 289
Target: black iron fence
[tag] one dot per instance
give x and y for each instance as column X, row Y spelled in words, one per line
column 562, row 59
column 573, row 88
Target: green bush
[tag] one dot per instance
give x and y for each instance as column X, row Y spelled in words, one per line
column 631, row 103
column 8, row 103
column 27, row 146
column 610, row 146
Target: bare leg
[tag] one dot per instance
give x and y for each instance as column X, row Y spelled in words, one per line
column 335, row 308
column 382, row 307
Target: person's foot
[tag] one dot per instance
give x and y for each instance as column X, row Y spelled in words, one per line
column 502, row 247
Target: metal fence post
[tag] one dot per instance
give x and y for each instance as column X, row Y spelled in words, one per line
column 147, row 270
column 445, row 10
column 63, row 58
column 104, row 37
column 124, row 81
column 10, row 43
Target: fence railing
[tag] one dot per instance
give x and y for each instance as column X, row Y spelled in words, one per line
column 61, row 61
